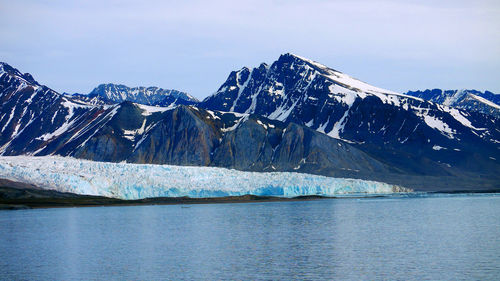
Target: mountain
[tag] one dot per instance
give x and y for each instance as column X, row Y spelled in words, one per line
column 470, row 100
column 292, row 116
column 114, row 93
column 190, row 136
column 32, row 114
column 410, row 133
column 180, row 135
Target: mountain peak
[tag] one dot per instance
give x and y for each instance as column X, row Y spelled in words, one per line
column 337, row 77
column 300, row 90
column 276, row 90
column 290, row 57
column 26, row 77
column 6, row 68
column 117, row 93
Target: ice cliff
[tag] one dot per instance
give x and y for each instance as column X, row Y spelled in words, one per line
column 136, row 181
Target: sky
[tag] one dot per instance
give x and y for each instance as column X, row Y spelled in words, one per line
column 192, row 46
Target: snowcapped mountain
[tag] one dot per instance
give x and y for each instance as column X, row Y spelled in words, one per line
column 470, row 100
column 113, row 93
column 293, row 116
column 180, row 135
column 295, row 89
column 32, row 114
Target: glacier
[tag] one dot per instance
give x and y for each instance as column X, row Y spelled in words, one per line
column 138, row 181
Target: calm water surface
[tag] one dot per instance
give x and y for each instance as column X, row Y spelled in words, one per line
column 450, row 238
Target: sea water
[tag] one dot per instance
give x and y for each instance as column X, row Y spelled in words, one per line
column 404, row 238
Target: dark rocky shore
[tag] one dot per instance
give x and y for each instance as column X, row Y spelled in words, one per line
column 19, row 197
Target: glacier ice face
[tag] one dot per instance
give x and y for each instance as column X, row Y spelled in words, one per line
column 136, row 181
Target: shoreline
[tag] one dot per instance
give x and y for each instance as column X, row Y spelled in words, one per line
column 18, row 198
column 99, row 201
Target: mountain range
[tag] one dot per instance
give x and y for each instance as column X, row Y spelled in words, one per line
column 469, row 100
column 113, row 93
column 293, row 115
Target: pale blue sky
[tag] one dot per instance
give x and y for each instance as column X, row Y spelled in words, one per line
column 193, row 45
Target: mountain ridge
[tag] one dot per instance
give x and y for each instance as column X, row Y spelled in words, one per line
column 111, row 93
column 484, row 102
column 263, row 92
column 282, row 120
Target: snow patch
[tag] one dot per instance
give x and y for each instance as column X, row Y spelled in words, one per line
column 460, row 118
column 439, row 125
column 437, row 147
column 68, row 120
column 130, row 134
column 241, row 87
column 10, row 118
column 485, row 101
column 148, row 110
column 451, row 100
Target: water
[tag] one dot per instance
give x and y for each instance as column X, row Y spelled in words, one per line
column 433, row 238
